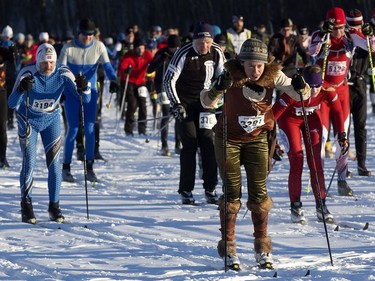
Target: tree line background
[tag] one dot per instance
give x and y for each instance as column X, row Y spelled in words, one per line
column 114, row 16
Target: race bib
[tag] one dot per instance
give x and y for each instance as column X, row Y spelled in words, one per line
column 207, row 120
column 308, row 110
column 336, row 68
column 250, row 123
column 142, row 92
column 46, row 105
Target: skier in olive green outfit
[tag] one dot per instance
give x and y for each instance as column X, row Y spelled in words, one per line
column 249, row 140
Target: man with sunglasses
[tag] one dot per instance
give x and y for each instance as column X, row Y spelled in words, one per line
column 83, row 55
column 332, row 48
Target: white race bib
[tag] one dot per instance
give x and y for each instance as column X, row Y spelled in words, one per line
column 143, row 92
column 207, row 120
column 336, row 68
column 46, row 105
column 250, row 123
column 308, row 109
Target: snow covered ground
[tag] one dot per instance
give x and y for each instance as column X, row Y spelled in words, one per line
column 138, row 230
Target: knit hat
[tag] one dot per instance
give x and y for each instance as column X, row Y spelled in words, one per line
column 302, row 30
column 236, row 18
column 354, row 17
column 202, row 30
column 336, row 15
column 220, row 39
column 46, row 52
column 87, row 27
column 139, row 42
column 7, row 32
column 253, row 50
column 286, row 23
column 173, row 41
column 43, row 36
column 313, row 78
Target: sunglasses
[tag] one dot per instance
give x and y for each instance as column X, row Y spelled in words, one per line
column 316, row 86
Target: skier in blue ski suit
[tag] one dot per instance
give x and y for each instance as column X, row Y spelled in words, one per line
column 36, row 97
column 83, row 55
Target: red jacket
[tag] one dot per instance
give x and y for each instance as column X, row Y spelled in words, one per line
column 139, row 65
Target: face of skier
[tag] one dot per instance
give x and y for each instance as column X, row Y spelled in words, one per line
column 253, row 69
column 338, row 31
column 203, row 45
column 47, row 67
column 286, row 31
column 315, row 90
column 85, row 39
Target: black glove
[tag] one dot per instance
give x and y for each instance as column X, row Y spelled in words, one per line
column 327, row 27
column 179, row 112
column 224, row 81
column 278, row 153
column 81, row 82
column 298, row 83
column 26, row 84
column 128, row 70
column 343, row 142
column 113, row 87
column 367, row 29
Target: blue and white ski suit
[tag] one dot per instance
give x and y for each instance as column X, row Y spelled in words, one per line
column 39, row 110
column 83, row 59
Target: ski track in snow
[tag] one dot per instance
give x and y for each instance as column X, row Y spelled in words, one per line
column 138, row 230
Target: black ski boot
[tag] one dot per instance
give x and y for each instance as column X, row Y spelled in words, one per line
column 55, row 213
column 66, row 174
column 90, row 171
column 27, row 211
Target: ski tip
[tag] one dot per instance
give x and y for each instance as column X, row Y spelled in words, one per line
column 275, row 275
column 366, row 226
column 337, row 228
column 308, row 273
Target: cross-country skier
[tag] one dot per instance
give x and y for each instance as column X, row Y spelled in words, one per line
column 245, row 131
column 83, row 55
column 334, row 60
column 36, row 97
column 290, row 119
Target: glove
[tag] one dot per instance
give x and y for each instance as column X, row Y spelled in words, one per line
column 113, row 87
column 298, row 83
column 128, row 70
column 26, row 84
column 327, row 27
column 223, row 82
column 343, row 142
column 81, row 82
column 367, row 29
column 278, row 153
column 179, row 112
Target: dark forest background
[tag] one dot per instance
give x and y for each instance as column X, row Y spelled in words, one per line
column 114, row 16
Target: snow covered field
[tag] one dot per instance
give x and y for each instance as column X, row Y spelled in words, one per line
column 138, row 230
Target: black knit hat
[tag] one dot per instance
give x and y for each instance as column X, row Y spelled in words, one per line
column 220, row 39
column 173, row 41
column 253, row 50
column 286, row 23
column 202, row 30
column 139, row 42
column 87, row 27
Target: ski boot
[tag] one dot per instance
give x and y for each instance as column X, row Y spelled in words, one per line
column 55, row 213
column 27, row 211
column 296, row 213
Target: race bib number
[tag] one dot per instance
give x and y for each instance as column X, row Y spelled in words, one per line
column 336, row 68
column 308, row 110
column 250, row 123
column 207, row 120
column 46, row 105
column 142, row 92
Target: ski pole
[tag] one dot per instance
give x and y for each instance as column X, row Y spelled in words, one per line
column 315, row 174
column 371, row 62
column 155, row 133
column 123, row 99
column 225, row 136
column 26, row 144
column 326, row 48
column 84, row 151
column 334, row 171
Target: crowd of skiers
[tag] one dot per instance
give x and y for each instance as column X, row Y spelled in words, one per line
column 239, row 98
